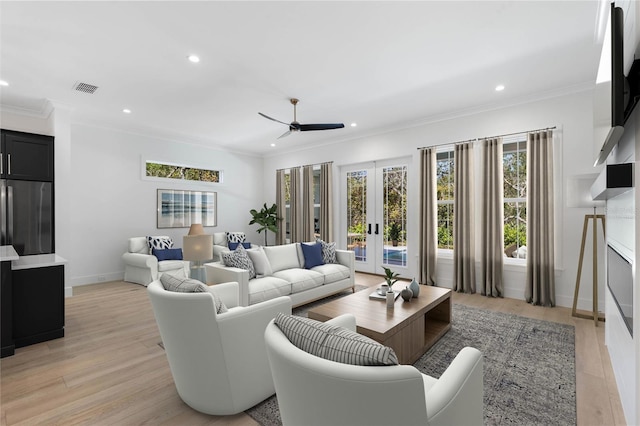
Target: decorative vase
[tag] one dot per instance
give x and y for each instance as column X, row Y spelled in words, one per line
column 406, row 294
column 415, row 287
column 391, row 297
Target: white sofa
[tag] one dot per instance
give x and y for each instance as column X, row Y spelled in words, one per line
column 287, row 276
column 141, row 267
column 315, row 391
column 218, row 361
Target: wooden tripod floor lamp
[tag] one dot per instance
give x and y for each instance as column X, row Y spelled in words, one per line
column 579, row 196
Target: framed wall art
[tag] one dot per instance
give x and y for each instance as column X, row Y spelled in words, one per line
column 179, row 208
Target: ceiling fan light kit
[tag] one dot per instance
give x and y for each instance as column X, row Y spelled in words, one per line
column 295, row 126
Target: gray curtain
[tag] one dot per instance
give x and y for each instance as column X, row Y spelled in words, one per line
column 326, row 202
column 428, row 217
column 492, row 235
column 464, row 259
column 307, row 204
column 281, row 235
column 540, row 285
column 295, row 206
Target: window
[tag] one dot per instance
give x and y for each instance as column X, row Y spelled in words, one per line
column 515, row 194
column 174, row 171
column 444, row 176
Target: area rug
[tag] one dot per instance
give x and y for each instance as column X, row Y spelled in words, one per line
column 529, row 367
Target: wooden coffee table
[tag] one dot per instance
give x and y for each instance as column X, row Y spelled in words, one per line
column 410, row 328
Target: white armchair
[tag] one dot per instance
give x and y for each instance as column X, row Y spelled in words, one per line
column 141, row 267
column 218, row 361
column 316, row 391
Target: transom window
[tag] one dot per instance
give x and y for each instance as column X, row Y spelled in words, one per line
column 176, row 171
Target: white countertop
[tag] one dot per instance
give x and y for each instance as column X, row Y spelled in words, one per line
column 37, row 261
column 8, row 253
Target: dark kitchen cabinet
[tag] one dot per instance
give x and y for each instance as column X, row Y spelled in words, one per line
column 26, row 156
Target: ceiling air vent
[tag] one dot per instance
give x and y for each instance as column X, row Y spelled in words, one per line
column 85, row 87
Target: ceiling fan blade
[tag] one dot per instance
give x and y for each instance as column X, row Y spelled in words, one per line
column 273, row 119
column 323, row 126
column 285, row 134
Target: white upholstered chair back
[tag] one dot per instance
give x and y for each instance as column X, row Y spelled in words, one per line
column 315, row 391
column 218, row 362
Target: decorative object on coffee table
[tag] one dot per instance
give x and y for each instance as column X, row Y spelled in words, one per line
column 406, row 294
column 390, row 277
column 391, row 298
column 414, row 287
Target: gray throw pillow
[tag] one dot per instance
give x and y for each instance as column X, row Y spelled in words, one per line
column 239, row 259
column 333, row 342
column 189, row 285
column 328, row 251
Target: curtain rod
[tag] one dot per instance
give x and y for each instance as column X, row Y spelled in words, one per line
column 304, row 165
column 488, row 137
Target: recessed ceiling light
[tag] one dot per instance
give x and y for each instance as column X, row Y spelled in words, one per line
column 126, row 111
column 3, row 83
column 193, row 58
column 273, row 144
column 354, row 124
column 499, row 88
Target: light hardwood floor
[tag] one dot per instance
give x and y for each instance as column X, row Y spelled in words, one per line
column 109, row 369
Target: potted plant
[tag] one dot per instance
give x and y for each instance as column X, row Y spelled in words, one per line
column 390, row 277
column 394, row 234
column 267, row 218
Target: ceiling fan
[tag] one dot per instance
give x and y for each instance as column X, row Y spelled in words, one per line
column 294, row 126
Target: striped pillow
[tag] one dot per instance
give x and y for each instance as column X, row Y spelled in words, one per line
column 334, row 343
column 188, row 285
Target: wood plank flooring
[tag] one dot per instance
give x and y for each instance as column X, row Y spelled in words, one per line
column 109, row 369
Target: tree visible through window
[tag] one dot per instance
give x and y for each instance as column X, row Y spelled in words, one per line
column 515, row 193
column 445, row 167
column 173, row 171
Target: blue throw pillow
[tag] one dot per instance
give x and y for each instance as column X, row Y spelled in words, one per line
column 167, row 254
column 233, row 246
column 312, row 255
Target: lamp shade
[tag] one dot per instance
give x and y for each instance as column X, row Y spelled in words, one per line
column 197, row 247
column 196, row 229
column 579, row 191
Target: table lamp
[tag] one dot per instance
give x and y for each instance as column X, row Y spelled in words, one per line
column 197, row 247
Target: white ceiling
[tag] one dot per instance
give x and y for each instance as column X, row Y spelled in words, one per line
column 380, row 64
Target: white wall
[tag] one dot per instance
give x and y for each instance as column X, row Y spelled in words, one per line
column 571, row 114
column 102, row 198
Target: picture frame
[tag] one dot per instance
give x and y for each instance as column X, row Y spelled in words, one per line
column 179, row 208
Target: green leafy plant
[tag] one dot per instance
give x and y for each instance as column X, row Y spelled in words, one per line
column 267, row 218
column 390, row 276
column 394, row 233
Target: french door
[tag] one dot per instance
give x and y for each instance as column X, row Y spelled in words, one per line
column 374, row 215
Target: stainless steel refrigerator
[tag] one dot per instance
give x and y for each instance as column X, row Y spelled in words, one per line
column 26, row 216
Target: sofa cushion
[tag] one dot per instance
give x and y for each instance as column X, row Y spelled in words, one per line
column 170, row 265
column 266, row 288
column 188, row 285
column 236, row 237
column 220, row 238
column 167, row 254
column 260, row 261
column 282, row 257
column 312, row 255
column 334, row 343
column 239, row 259
column 233, row 246
column 159, row 242
column 332, row 272
column 301, row 279
column 328, row 251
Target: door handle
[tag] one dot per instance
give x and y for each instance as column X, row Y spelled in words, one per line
column 377, row 229
column 369, row 230
column 8, row 164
